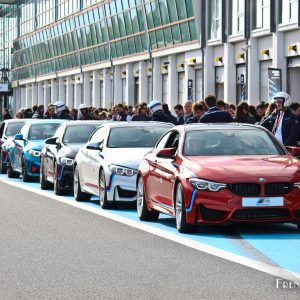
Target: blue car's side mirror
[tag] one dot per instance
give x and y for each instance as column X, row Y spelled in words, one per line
column 19, row 137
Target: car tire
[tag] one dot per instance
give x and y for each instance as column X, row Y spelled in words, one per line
column 11, row 173
column 144, row 213
column 25, row 176
column 2, row 167
column 58, row 190
column 104, row 203
column 78, row 194
column 180, row 212
column 45, row 185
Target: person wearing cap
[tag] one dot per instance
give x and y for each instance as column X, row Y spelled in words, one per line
column 283, row 123
column 85, row 115
column 62, row 111
column 157, row 113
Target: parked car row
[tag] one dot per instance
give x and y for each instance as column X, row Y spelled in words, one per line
column 199, row 174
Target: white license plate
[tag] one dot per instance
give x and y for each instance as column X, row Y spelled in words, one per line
column 262, row 201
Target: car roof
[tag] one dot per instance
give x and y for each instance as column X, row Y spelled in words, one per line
column 47, row 121
column 80, row 122
column 14, row 121
column 138, row 123
column 217, row 126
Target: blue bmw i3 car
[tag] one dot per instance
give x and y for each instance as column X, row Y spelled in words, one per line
column 25, row 151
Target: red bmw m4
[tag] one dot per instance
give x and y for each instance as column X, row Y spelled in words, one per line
column 219, row 173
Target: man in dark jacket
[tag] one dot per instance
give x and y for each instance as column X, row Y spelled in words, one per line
column 214, row 114
column 198, row 111
column 180, row 114
column 167, row 112
column 6, row 114
column 157, row 113
column 283, row 123
column 61, row 111
column 39, row 114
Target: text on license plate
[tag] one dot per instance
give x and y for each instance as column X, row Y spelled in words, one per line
column 262, row 201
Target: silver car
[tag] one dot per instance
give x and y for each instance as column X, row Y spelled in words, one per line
column 107, row 165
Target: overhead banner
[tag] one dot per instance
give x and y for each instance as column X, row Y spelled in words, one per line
column 275, row 82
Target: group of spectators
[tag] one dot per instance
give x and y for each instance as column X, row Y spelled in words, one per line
column 280, row 117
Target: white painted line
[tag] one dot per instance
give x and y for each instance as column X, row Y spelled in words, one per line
column 248, row 262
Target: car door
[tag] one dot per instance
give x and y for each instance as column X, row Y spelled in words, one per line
column 165, row 171
column 19, row 147
column 152, row 181
column 90, row 163
column 51, row 152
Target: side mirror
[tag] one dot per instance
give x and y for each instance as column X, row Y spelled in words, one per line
column 19, row 137
column 167, row 153
column 295, row 151
column 52, row 141
column 95, row 146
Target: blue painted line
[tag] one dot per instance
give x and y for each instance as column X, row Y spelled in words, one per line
column 189, row 209
column 61, row 172
column 108, row 189
column 278, row 242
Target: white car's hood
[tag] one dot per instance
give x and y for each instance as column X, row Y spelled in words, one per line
column 125, row 157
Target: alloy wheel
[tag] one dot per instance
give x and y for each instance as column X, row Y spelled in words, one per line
column 102, row 189
column 140, row 197
column 178, row 204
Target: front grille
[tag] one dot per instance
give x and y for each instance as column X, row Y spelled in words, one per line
column 126, row 193
column 245, row 189
column 261, row 214
column 278, row 188
column 211, row 214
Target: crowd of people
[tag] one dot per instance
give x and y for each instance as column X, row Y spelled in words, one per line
column 280, row 117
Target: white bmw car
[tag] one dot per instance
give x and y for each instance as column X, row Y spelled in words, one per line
column 107, row 165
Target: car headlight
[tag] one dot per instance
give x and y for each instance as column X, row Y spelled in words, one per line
column 67, row 161
column 205, row 185
column 297, row 185
column 122, row 171
column 35, row 153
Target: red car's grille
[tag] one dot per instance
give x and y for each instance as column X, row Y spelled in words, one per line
column 297, row 213
column 245, row 189
column 211, row 214
column 261, row 214
column 278, row 188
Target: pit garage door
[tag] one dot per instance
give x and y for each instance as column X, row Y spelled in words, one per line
column 264, row 82
column 165, row 88
column 198, row 84
column 294, row 79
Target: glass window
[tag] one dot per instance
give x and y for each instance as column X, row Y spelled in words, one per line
column 185, row 32
column 13, row 128
column 215, row 9
column 135, row 136
column 41, row 131
column 289, row 11
column 173, row 11
column 79, row 134
column 263, row 14
column 215, row 142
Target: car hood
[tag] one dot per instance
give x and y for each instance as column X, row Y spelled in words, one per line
column 126, row 157
column 245, row 168
column 71, row 150
column 35, row 145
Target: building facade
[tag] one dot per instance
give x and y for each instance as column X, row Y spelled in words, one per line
column 112, row 51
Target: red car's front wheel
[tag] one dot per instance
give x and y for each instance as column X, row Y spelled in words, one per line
column 180, row 212
column 144, row 213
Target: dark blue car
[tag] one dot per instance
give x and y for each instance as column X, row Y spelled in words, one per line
column 25, row 150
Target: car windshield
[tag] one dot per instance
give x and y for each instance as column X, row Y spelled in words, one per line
column 41, row 131
column 230, row 142
column 135, row 137
column 79, row 134
column 13, row 128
